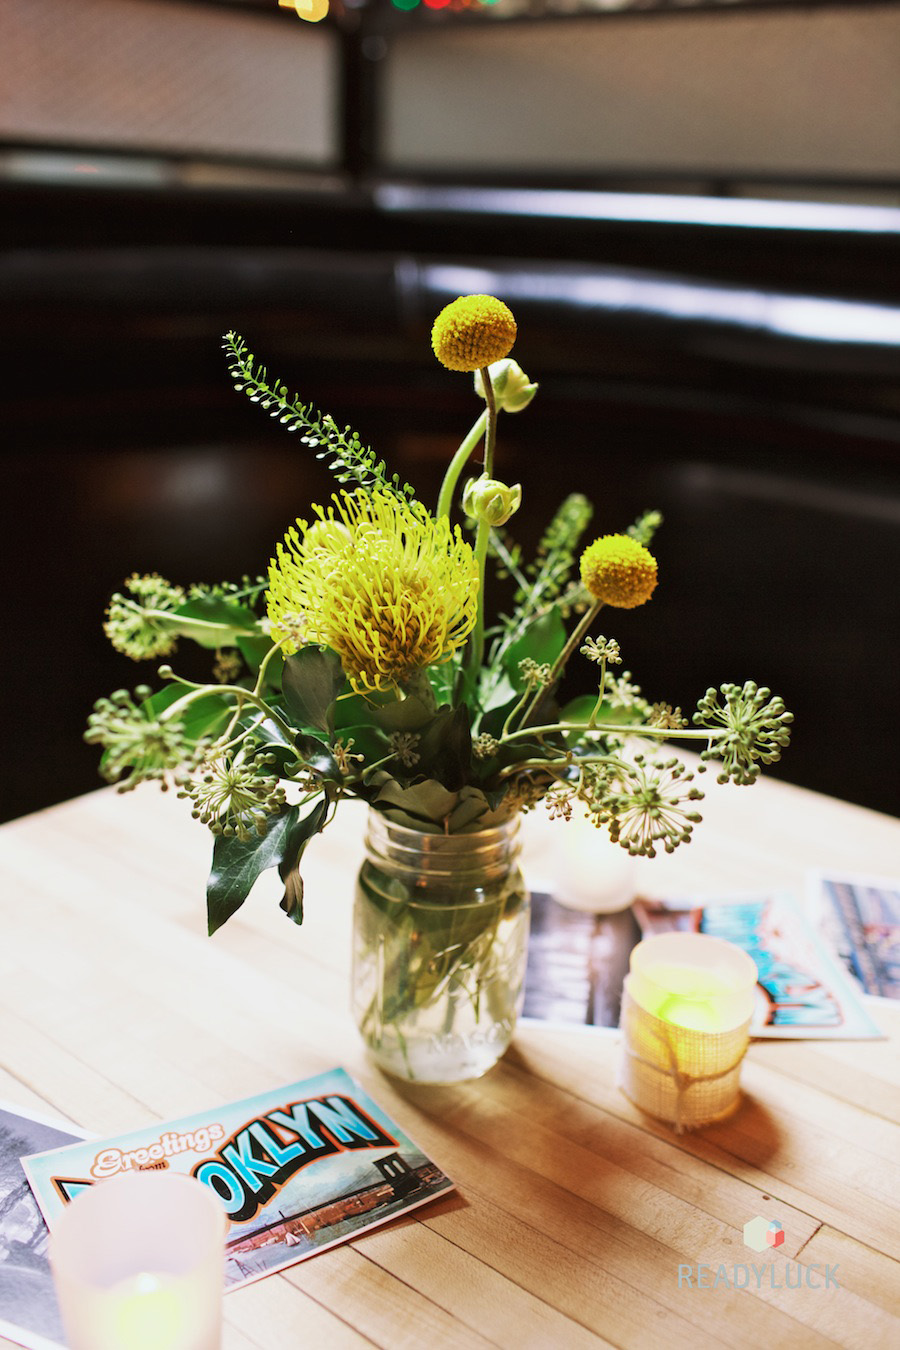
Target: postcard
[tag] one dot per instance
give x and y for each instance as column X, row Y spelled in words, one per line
column 803, row 991
column 577, row 962
column 28, row 1311
column 860, row 916
column 297, row 1169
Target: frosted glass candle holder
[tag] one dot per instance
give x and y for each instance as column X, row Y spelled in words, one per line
column 686, row 1010
column 138, row 1263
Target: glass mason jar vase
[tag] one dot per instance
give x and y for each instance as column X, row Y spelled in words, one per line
column 439, row 948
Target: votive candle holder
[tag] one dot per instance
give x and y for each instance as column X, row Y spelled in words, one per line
column 687, row 1006
column 138, row 1262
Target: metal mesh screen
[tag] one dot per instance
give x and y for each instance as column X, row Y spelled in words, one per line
column 147, row 74
column 806, row 92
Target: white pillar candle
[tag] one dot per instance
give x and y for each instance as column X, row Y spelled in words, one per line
column 577, row 863
column 686, row 1010
column 138, row 1263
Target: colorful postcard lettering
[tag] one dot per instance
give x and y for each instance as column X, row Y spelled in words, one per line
column 297, row 1169
column 802, row 991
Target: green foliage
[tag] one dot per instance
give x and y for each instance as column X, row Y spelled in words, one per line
column 265, row 755
column 213, row 622
column 238, row 863
column 298, row 836
column 342, row 450
column 311, row 681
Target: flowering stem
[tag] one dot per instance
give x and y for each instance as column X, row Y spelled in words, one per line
column 475, row 654
column 457, row 464
column 595, row 711
column 196, row 691
column 577, row 634
column 208, row 626
column 490, row 435
column 562, row 763
column 638, row 729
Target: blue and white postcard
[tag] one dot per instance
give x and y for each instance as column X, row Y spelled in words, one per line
column 297, row 1169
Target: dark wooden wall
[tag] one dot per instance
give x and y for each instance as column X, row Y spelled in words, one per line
column 775, row 460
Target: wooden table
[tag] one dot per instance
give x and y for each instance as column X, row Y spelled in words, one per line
column 574, row 1211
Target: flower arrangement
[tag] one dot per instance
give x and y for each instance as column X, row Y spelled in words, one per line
column 366, row 663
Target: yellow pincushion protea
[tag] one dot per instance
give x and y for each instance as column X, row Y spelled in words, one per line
column 379, row 581
column 618, row 571
column 472, row 332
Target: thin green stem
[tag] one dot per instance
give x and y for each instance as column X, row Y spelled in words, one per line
column 207, row 626
column 559, row 664
column 457, row 464
column 638, row 729
column 490, row 435
column 515, row 711
column 475, row 650
column 225, row 742
column 564, row 762
column 592, row 720
column 196, row 691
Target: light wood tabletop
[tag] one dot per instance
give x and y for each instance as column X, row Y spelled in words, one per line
column 574, row 1211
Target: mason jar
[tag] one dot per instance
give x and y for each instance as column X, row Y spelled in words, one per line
column 439, row 949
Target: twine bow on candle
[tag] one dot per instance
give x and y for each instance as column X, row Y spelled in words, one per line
column 663, row 1063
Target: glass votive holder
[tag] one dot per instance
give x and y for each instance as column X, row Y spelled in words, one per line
column 138, row 1262
column 686, row 1010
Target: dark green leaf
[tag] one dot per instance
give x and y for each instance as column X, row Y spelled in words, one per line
column 213, row 621
column 317, row 755
column 237, row 864
column 425, row 804
column 289, row 867
column 206, row 716
column 408, row 714
column 254, row 649
column 445, row 748
column 543, row 640
column 498, row 692
column 354, row 710
column 579, row 709
column 311, row 681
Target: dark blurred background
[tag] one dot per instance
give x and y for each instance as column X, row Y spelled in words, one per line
column 693, row 211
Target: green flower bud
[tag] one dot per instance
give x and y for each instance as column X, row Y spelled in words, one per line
column 513, row 391
column 490, row 501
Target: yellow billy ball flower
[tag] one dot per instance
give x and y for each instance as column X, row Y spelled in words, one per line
column 473, row 331
column 619, row 571
column 379, row 581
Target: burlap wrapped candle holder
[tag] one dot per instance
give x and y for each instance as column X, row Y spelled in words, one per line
column 685, row 1077
column 686, row 1010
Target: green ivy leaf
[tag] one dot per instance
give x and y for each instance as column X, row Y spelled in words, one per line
column 311, row 681
column 427, row 805
column 289, row 868
column 543, row 640
column 254, row 649
column 318, row 756
column 445, row 748
column 501, row 693
column 238, row 863
column 407, row 714
column 206, row 716
column 214, row 622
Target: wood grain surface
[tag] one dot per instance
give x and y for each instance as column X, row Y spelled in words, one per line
column 574, row 1211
